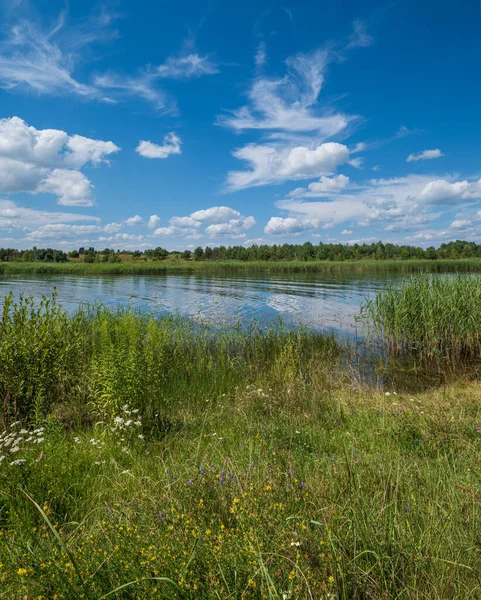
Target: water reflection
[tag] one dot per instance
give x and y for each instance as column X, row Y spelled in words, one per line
column 322, row 301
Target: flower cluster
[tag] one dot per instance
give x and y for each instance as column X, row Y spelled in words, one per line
column 15, row 440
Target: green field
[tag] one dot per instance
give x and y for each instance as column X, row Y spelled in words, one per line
column 233, row 266
column 151, row 458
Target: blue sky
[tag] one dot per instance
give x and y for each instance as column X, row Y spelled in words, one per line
column 177, row 124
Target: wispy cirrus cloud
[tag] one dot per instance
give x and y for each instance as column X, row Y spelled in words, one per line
column 289, row 112
column 43, row 59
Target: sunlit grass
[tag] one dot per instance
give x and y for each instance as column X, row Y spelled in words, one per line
column 434, row 317
column 238, row 266
column 154, row 458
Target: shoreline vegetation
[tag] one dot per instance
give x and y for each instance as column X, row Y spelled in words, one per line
column 181, row 266
column 149, row 457
column 301, row 258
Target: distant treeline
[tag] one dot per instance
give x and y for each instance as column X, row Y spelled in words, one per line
column 263, row 252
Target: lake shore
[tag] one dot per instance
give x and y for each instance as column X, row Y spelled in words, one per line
column 145, row 457
column 219, row 267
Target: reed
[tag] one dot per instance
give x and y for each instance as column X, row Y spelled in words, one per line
column 435, row 318
column 237, row 266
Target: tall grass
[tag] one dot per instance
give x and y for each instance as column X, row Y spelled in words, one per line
column 155, row 458
column 237, row 266
column 433, row 317
column 107, row 358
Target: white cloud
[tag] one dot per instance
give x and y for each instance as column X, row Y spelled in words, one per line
column 53, row 230
column 216, row 214
column 41, row 160
column 153, row 221
column 167, row 232
column 122, row 237
column 184, row 222
column 460, row 224
column 346, row 232
column 184, row 67
column 326, row 185
column 172, row 145
column 143, row 85
column 290, row 103
column 44, row 61
column 234, row 228
column 289, row 226
column 219, row 222
column 425, row 155
column 113, row 227
column 270, row 164
column 441, row 191
column 133, row 221
column 261, row 55
column 71, row 187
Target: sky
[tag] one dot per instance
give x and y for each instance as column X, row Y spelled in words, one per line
column 136, row 124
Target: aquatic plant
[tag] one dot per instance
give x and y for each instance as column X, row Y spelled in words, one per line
column 433, row 317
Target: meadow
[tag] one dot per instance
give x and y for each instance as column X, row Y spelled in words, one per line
column 148, row 457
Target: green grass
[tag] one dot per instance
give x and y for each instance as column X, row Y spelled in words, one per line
column 163, row 460
column 233, row 266
column 437, row 318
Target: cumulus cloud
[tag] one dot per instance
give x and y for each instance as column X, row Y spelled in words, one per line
column 219, row 222
column 234, row 228
column 460, row 224
column 289, row 226
column 425, row 155
column 215, row 214
column 47, row 160
column 441, row 191
column 326, row 185
column 73, row 188
column 133, row 221
column 153, row 221
column 184, row 222
column 274, row 165
column 172, row 145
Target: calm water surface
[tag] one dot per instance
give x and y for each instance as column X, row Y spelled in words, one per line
column 327, row 302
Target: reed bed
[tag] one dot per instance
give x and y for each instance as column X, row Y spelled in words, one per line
column 237, row 266
column 431, row 317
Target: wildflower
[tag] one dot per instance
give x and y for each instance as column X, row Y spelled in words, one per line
column 160, row 516
column 76, row 440
column 331, row 579
column 38, row 440
column 21, row 571
column 302, row 485
column 20, row 461
column 295, row 543
column 387, row 394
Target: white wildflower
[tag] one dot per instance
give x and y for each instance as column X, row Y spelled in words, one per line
column 38, row 440
column 20, row 461
column 76, row 440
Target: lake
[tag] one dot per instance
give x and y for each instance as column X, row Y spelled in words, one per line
column 324, row 301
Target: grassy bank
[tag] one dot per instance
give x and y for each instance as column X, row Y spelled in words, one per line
column 233, row 266
column 148, row 458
